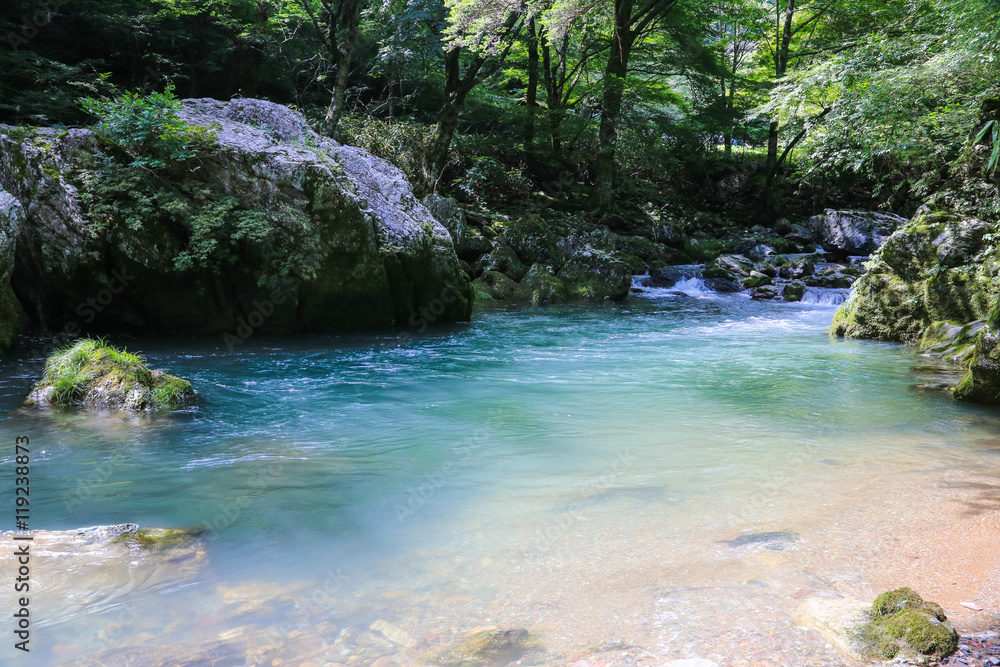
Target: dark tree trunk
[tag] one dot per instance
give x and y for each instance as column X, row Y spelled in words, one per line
column 614, row 89
column 253, row 56
column 456, row 88
column 780, row 67
column 531, row 98
column 344, row 31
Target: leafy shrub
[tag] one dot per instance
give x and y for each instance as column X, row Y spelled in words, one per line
column 400, row 143
column 487, row 178
column 149, row 130
column 143, row 182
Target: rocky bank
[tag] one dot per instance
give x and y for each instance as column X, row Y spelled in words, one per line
column 316, row 236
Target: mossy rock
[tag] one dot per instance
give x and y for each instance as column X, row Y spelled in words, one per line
column 493, row 285
column 901, row 624
column 540, row 286
column 92, row 374
column 830, row 281
column 155, row 538
column 504, row 260
column 882, row 307
column 594, row 275
column 487, row 648
column 713, row 270
column 756, row 280
column 982, row 383
column 793, row 292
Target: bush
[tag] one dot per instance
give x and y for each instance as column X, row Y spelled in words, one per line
column 142, row 180
column 400, row 143
column 149, row 130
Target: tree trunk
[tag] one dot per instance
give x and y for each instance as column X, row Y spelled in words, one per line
column 338, row 98
column 343, row 31
column 784, row 39
column 456, row 88
column 614, row 90
column 727, row 138
column 553, row 94
column 253, row 58
column 531, row 98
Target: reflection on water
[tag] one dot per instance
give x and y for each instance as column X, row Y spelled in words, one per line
column 583, row 472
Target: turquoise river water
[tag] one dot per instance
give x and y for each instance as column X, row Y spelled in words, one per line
column 577, row 471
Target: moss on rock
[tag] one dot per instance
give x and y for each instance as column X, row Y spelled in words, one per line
column 982, row 383
column 541, row 286
column 93, row 374
column 484, row 648
column 901, row 624
column 493, row 285
column 155, row 538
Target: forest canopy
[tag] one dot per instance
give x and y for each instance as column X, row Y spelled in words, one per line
column 590, row 103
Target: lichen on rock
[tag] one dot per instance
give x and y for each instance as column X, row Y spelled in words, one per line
column 98, row 376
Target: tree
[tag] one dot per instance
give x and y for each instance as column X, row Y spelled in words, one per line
column 337, row 23
column 485, row 38
column 632, row 20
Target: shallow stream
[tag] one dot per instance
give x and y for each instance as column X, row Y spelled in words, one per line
column 579, row 471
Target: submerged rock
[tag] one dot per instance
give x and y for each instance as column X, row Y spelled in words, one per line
column 74, row 569
column 92, row 374
column 771, row 540
column 483, row 648
column 331, row 236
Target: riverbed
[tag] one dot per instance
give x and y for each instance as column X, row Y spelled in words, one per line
column 583, row 472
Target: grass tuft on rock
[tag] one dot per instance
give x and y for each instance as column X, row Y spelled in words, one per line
column 94, row 374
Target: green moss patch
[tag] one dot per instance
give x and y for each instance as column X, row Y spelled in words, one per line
column 156, row 538
column 93, row 374
column 485, row 648
column 901, row 624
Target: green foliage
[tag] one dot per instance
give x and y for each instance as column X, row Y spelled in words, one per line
column 992, row 130
column 399, row 142
column 145, row 179
column 148, row 128
column 487, row 178
column 74, row 371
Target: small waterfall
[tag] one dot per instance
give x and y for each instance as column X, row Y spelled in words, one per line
column 673, row 281
column 825, row 297
column 693, row 286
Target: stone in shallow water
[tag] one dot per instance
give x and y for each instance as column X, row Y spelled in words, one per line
column 770, row 540
column 487, row 647
column 73, row 569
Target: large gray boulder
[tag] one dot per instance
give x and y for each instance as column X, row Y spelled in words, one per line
column 356, row 248
column 855, row 232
